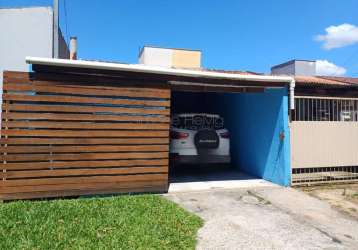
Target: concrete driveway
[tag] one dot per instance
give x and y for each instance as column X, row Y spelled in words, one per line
column 267, row 218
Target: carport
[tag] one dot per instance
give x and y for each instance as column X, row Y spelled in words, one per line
column 256, row 115
column 255, row 109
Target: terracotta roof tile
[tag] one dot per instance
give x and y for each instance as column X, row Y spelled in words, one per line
column 318, row 81
column 349, row 80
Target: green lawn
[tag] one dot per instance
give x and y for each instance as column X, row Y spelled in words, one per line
column 355, row 196
column 122, row 222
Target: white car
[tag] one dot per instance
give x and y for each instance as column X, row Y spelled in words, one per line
column 199, row 138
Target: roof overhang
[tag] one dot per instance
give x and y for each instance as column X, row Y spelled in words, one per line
column 155, row 73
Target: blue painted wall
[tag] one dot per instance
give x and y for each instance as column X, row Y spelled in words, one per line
column 256, row 121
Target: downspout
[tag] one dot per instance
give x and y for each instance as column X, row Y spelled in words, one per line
column 292, row 93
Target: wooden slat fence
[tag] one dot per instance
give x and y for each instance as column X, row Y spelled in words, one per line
column 64, row 139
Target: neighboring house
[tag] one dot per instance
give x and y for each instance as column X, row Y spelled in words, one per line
column 324, row 125
column 27, row 32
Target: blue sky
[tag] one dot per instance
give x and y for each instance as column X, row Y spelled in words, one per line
column 232, row 34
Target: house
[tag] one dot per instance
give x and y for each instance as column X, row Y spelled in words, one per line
column 98, row 127
column 28, row 32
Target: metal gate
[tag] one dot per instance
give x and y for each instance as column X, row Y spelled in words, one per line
column 324, row 140
column 65, row 138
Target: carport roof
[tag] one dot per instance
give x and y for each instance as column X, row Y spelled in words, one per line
column 145, row 72
column 211, row 76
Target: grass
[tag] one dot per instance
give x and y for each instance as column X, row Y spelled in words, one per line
column 122, row 222
column 355, row 195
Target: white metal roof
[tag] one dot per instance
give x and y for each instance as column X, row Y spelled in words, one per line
column 153, row 69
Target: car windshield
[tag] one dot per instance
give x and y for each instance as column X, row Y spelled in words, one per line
column 198, row 122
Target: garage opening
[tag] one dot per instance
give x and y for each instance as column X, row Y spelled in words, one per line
column 229, row 139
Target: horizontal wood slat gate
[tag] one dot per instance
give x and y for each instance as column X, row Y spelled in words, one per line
column 61, row 139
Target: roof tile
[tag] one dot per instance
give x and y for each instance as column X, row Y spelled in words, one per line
column 318, row 81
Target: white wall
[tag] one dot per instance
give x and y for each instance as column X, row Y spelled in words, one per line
column 305, row 68
column 296, row 67
column 288, row 69
column 24, row 32
column 156, row 57
column 323, row 144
